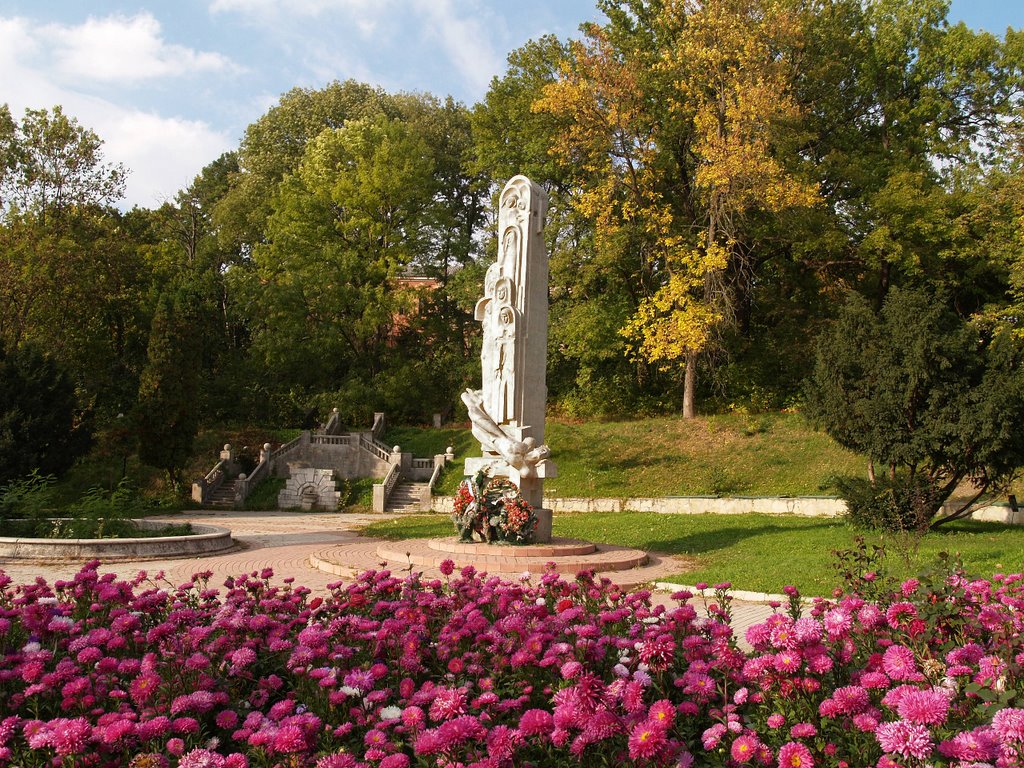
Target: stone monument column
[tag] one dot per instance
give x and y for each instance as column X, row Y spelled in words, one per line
column 508, row 411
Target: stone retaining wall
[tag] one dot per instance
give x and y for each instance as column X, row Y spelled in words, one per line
column 806, row 506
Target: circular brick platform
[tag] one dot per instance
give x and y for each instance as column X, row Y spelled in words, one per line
column 626, row 567
column 554, row 549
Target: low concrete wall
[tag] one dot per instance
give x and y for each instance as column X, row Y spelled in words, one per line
column 805, row 506
column 207, row 539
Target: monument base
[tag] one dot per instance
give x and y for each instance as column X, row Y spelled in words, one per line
column 543, row 533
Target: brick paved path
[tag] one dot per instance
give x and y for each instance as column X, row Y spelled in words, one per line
column 293, row 544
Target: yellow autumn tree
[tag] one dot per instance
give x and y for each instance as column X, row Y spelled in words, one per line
column 681, row 114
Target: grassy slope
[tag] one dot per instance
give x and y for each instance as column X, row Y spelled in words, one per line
column 761, row 552
column 727, row 455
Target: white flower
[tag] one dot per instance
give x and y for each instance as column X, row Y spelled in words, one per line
column 391, row 713
column 47, row 601
column 620, row 670
column 213, row 743
column 525, row 576
column 348, row 690
column 540, row 601
column 651, row 619
column 31, row 647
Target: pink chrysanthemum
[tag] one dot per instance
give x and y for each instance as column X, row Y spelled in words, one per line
column 448, row 703
column 646, row 741
column 803, row 731
column 793, row 754
column 201, row 758
column 928, row 707
column 905, row 739
column 979, row 745
column 536, row 722
column 1008, row 724
column 776, row 720
column 502, row 742
column 837, row 622
column 744, row 748
column 289, row 740
column 459, row 730
column 69, row 736
column 662, row 713
column 787, row 661
column 850, row 699
column 898, row 663
column 398, row 760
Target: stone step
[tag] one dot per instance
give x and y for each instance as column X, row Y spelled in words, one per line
column 565, row 555
column 350, row 559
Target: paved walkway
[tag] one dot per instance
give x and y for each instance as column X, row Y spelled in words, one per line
column 288, row 543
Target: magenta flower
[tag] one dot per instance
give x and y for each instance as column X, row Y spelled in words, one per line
column 646, row 741
column 905, row 739
column 744, row 748
column 928, row 707
column 898, row 663
column 793, row 754
column 201, row 758
column 536, row 722
column 1008, row 724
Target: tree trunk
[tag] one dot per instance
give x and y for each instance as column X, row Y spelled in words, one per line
column 871, row 472
column 690, row 386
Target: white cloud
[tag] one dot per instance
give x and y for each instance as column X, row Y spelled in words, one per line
column 465, row 41
column 124, row 49
column 162, row 152
column 364, row 32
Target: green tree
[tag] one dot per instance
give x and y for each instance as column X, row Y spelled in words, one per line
column 167, row 410
column 71, row 280
column 42, row 426
column 932, row 398
column 346, row 225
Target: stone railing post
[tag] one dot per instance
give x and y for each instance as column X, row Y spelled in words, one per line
column 449, row 453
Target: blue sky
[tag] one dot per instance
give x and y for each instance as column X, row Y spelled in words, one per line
column 171, row 85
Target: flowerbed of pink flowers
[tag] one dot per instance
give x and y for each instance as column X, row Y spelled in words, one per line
column 475, row 671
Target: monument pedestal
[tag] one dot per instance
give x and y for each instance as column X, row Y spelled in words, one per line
column 531, row 486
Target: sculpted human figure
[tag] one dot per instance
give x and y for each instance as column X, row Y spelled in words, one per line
column 507, row 412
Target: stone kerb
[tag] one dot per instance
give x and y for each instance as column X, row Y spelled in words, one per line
column 205, row 539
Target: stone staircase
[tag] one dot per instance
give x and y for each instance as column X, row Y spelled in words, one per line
column 224, row 496
column 406, row 497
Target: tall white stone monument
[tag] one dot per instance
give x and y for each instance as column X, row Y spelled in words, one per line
column 508, row 411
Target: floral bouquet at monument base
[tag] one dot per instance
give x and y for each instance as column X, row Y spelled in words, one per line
column 493, row 510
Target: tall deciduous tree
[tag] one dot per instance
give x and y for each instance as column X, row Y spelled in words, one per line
column 678, row 115
column 346, row 224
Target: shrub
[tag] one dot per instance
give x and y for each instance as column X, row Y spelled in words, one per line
column 905, row 504
column 921, row 391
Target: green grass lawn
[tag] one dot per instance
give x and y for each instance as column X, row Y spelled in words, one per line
column 726, row 455
column 764, row 553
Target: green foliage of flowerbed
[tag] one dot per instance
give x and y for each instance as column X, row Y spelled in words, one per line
column 763, row 553
column 27, row 509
